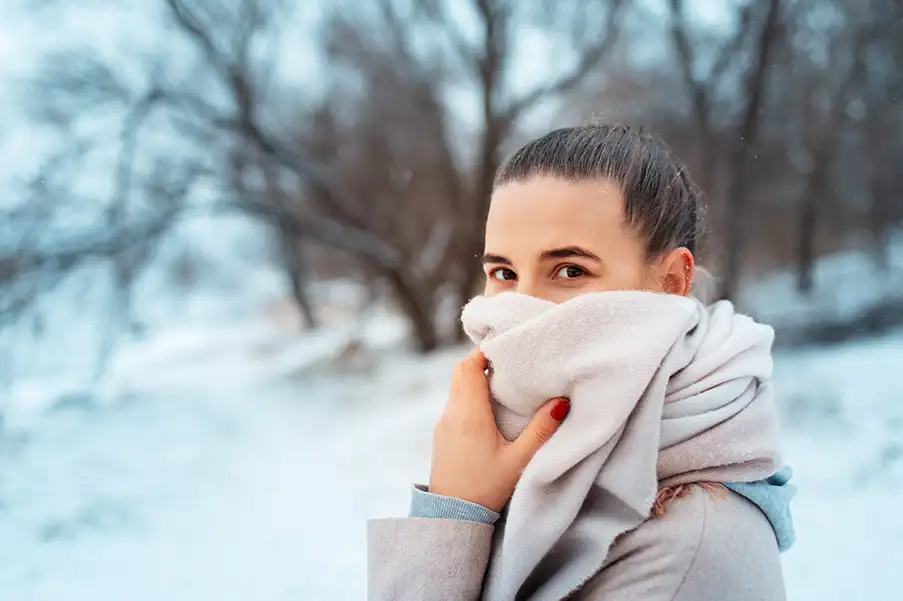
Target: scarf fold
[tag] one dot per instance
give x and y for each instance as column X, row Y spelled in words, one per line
column 663, row 391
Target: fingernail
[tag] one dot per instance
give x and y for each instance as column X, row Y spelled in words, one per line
column 560, row 410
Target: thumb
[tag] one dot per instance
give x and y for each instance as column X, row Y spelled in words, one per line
column 540, row 429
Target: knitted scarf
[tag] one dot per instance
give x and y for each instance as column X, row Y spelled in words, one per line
column 663, row 391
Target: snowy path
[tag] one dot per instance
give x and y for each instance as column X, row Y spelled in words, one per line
column 216, row 483
column 843, row 435
column 226, row 480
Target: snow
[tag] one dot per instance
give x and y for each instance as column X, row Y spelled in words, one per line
column 241, row 462
column 846, row 284
column 240, row 482
column 843, row 435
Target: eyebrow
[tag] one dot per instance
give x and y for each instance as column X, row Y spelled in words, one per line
column 568, row 251
column 552, row 253
column 498, row 259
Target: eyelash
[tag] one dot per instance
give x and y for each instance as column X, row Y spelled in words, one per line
column 497, row 270
column 583, row 272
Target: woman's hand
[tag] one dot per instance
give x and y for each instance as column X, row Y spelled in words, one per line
column 471, row 459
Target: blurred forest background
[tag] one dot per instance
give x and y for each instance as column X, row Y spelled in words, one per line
column 788, row 111
column 328, row 166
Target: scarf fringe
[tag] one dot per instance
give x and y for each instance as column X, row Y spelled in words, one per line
column 666, row 495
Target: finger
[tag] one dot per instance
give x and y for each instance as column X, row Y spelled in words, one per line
column 475, row 359
column 538, row 432
column 470, row 374
column 470, row 385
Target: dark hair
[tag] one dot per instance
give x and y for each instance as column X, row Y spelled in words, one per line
column 660, row 198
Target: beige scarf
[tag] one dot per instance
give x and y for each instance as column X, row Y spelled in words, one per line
column 663, row 391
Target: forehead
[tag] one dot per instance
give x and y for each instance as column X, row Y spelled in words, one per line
column 550, row 212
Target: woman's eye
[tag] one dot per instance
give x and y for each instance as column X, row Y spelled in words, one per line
column 571, row 271
column 503, row 274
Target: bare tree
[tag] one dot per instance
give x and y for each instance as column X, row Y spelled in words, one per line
column 593, row 28
column 385, row 139
column 231, row 64
column 221, row 106
column 33, row 266
column 735, row 205
column 226, row 103
column 704, row 88
column 751, row 45
column 394, row 178
column 882, row 98
column 401, row 68
column 827, row 116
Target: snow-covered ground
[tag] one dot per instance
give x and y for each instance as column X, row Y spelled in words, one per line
column 240, row 462
column 845, row 284
column 843, row 435
column 235, row 470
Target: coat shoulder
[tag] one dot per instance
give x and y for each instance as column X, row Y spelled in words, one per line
column 737, row 557
column 704, row 548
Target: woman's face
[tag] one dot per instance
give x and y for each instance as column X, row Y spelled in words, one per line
column 555, row 239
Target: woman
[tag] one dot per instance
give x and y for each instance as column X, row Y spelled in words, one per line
column 656, row 479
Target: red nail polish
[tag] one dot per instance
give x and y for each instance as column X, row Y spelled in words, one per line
column 560, row 410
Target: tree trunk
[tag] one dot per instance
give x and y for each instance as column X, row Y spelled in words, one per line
column 881, row 250
column 880, row 220
column 303, row 301
column 497, row 36
column 816, row 192
column 472, row 247
column 736, row 218
column 418, row 309
column 295, row 270
column 806, row 249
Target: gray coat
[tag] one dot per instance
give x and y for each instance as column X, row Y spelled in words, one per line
column 703, row 549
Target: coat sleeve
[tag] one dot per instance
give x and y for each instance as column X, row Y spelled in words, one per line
column 414, row 559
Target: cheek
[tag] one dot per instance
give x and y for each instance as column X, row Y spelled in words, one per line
column 494, row 286
column 628, row 277
column 558, row 295
column 637, row 278
column 488, row 285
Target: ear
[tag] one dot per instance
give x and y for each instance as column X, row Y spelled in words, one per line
column 676, row 271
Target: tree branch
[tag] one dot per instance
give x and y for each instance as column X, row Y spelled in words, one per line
column 698, row 93
column 63, row 255
column 727, row 53
column 589, row 59
column 700, row 89
column 193, row 27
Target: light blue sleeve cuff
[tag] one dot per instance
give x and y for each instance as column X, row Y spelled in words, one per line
column 427, row 505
